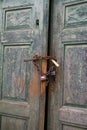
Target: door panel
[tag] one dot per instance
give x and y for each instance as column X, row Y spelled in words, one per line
column 68, row 96
column 13, row 123
column 65, row 127
column 75, row 75
column 76, row 116
column 21, row 37
column 14, row 74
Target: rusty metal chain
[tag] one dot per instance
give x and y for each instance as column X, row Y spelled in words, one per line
column 36, row 58
column 36, row 64
column 52, row 69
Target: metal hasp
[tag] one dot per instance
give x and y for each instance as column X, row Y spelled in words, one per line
column 51, row 73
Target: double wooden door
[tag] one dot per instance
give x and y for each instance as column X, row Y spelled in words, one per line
column 23, row 34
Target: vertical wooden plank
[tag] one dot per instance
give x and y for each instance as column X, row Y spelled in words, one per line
column 44, row 63
column 55, row 49
column 43, row 97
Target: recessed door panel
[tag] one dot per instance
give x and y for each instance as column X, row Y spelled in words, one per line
column 75, row 75
column 15, row 69
column 18, row 18
column 13, row 123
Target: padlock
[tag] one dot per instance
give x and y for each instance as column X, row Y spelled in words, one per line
column 43, row 78
column 51, row 73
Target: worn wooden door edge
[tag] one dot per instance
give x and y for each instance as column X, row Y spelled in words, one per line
column 43, row 98
column 44, row 66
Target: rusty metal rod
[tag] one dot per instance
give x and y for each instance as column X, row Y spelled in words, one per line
column 40, row 58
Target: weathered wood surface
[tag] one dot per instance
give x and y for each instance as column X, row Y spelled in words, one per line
column 66, row 127
column 68, row 43
column 71, row 115
column 22, row 124
column 16, row 109
column 75, row 74
column 22, row 98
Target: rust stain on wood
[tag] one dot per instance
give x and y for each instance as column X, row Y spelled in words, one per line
column 35, row 84
column 43, row 97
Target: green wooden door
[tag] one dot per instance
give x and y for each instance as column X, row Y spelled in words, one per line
column 67, row 108
column 23, row 33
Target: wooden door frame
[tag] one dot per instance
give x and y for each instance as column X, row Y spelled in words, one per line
column 49, row 54
column 43, row 90
column 53, row 87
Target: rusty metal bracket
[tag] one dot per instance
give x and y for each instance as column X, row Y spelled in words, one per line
column 52, row 69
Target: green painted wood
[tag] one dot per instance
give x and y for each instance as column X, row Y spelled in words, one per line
column 65, row 127
column 21, row 99
column 10, row 123
column 67, row 102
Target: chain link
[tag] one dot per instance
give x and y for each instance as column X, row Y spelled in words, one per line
column 37, row 58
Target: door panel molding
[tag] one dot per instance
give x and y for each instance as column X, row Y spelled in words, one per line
column 68, row 40
column 73, row 115
column 16, row 109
